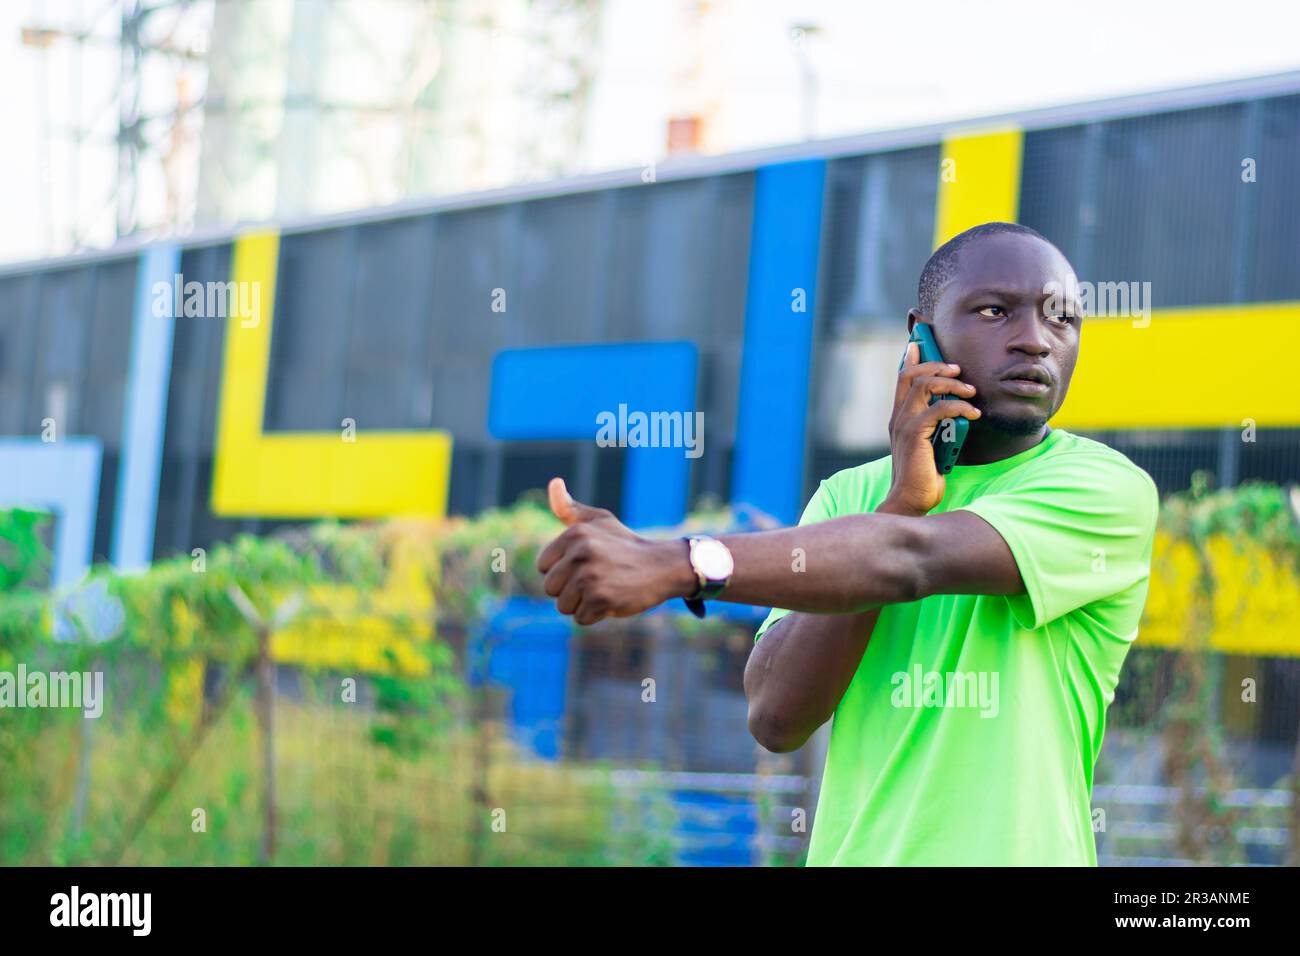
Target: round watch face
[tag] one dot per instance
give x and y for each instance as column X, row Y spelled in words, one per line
column 712, row 559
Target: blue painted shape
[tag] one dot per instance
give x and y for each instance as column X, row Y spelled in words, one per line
column 62, row 477
column 145, row 417
column 746, row 614
column 525, row 648
column 557, row 393
column 714, row 829
column 772, row 412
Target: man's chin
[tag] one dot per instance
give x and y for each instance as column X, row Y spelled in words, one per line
column 1013, row 426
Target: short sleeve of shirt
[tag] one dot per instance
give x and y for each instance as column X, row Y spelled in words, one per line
column 821, row 507
column 1080, row 527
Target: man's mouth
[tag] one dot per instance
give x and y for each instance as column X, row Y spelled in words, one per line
column 1027, row 380
column 1028, row 372
column 1024, row 386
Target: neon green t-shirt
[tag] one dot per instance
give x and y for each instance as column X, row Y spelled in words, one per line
column 969, row 733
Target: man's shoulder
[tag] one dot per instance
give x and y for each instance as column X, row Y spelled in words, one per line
column 1094, row 457
column 1091, row 475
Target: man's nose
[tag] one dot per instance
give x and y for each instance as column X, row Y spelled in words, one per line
column 1029, row 337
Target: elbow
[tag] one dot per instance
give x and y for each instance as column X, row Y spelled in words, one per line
column 909, row 587
column 774, row 731
column 902, row 574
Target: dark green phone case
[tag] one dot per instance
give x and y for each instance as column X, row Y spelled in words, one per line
column 945, row 451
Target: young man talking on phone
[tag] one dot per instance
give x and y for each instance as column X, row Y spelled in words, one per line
column 966, row 632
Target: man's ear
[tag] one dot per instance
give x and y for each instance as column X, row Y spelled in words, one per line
column 913, row 317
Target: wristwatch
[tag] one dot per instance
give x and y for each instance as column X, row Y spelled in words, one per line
column 713, row 566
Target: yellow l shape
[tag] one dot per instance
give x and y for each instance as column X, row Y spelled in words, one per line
column 307, row 474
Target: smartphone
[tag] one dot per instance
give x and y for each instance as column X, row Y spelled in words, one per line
column 951, row 433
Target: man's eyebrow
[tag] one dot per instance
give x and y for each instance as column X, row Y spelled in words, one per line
column 999, row 293
column 1029, row 294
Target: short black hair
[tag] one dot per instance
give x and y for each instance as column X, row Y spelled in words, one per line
column 939, row 268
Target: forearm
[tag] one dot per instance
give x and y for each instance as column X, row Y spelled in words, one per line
column 842, row 566
column 799, row 671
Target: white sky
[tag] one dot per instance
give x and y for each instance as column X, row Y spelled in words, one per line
column 879, row 65
column 912, row 62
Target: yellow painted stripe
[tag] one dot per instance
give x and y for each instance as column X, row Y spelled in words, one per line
column 1256, row 599
column 979, row 181
column 1180, row 369
column 1187, row 368
column 292, row 475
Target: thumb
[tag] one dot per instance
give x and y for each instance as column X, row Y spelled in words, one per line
column 565, row 507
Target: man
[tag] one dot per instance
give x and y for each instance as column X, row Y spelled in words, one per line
column 965, row 631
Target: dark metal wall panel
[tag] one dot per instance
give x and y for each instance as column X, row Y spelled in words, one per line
column 880, row 233
column 1151, row 199
column 528, row 466
column 108, row 357
column 1273, row 245
column 62, row 339
column 185, row 520
column 19, row 295
column 1058, row 188
column 723, row 325
column 471, row 259
column 560, row 264
column 468, row 491
column 1169, row 192
column 388, row 381
column 676, row 250
column 1273, row 456
column 309, row 340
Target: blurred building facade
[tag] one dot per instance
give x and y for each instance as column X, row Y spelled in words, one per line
column 470, row 342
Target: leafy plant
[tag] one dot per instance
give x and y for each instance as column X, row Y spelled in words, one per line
column 24, row 557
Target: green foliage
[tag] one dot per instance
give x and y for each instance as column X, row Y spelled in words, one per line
column 493, row 556
column 24, row 559
column 1256, row 513
column 418, row 777
column 411, row 772
column 410, row 715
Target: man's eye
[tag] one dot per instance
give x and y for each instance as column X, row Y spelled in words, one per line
column 993, row 308
column 1063, row 319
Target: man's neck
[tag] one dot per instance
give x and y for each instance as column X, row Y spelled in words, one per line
column 986, row 445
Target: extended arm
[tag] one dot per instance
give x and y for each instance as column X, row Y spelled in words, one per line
column 861, row 562
column 852, row 566
column 598, row 568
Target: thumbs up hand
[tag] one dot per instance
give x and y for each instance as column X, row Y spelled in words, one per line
column 598, row 567
column 572, row 512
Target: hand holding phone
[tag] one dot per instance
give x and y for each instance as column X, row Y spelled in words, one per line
column 951, row 432
column 922, row 431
